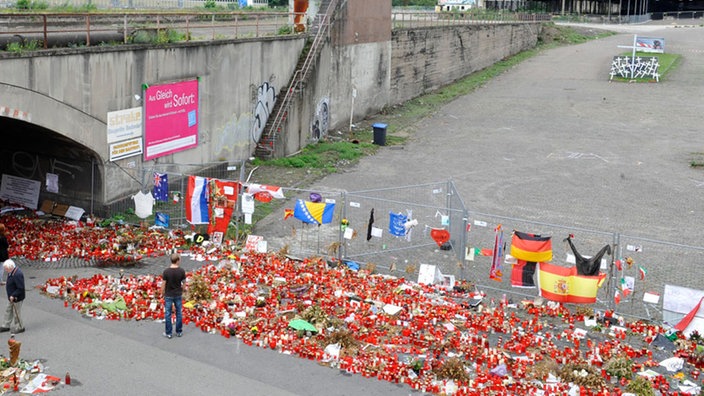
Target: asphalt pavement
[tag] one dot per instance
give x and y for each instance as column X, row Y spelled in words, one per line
column 551, row 139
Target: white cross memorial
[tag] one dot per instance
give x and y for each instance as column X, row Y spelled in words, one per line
column 633, row 57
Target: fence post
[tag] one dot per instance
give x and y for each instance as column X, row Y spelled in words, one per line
column 616, row 244
column 341, row 237
column 92, row 185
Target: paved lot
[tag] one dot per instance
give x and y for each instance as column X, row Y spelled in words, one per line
column 550, row 140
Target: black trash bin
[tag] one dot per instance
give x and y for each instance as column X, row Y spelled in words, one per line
column 379, row 134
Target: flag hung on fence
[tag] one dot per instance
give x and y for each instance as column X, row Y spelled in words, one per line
column 161, row 187
column 563, row 284
column 370, row 224
column 314, row 212
column 530, row 247
column 498, row 255
column 642, row 272
column 162, row 219
column 197, row 200
column 265, row 193
column 288, row 213
column 625, row 288
column 687, row 319
column 222, row 199
column 522, row 274
column 397, row 222
column 617, row 297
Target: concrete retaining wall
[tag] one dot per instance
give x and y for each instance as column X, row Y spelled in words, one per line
column 426, row 59
column 71, row 91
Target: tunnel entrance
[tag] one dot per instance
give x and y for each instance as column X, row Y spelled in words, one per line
column 32, row 152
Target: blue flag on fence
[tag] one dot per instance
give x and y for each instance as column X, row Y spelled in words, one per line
column 396, row 224
column 161, row 187
column 162, row 219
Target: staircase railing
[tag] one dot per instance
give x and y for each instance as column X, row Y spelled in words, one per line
column 273, row 134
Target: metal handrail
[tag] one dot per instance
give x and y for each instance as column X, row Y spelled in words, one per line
column 301, row 74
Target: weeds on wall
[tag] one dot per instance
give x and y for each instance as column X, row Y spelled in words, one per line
column 20, row 47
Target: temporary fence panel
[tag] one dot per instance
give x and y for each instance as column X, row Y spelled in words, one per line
column 493, row 273
column 294, row 228
column 409, row 226
column 143, row 179
column 647, row 266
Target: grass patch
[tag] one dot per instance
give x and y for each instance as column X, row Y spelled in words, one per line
column 323, row 155
column 667, row 62
column 697, row 160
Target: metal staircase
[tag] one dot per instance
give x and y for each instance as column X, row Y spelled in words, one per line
column 270, row 143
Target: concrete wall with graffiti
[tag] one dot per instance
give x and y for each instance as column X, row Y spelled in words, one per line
column 69, row 92
column 361, row 69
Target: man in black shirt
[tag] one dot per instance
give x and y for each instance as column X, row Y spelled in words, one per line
column 172, row 290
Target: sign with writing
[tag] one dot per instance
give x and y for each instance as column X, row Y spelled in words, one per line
column 171, row 118
column 124, row 124
column 19, row 190
column 125, row 149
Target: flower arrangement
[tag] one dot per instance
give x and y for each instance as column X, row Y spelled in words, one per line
column 640, row 386
column 453, row 369
column 620, row 366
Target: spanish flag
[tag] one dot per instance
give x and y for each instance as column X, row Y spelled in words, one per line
column 562, row 284
column 530, row 247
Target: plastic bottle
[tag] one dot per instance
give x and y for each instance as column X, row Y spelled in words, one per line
column 68, row 379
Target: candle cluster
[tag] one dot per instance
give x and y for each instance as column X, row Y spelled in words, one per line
column 52, row 239
column 390, row 328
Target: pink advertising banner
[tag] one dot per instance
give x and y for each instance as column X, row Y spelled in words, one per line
column 170, row 118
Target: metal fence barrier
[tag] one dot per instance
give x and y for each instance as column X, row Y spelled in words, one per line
column 355, row 235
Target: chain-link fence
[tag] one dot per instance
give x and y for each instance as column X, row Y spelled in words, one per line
column 143, row 179
column 395, row 230
column 648, row 266
column 387, row 229
column 636, row 269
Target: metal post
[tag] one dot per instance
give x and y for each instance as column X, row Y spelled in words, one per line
column 92, row 184
column 238, row 204
column 633, row 58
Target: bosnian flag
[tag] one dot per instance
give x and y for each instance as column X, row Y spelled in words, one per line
column 265, row 193
column 314, row 212
column 197, row 200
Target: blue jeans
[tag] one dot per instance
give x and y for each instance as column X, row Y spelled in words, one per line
column 177, row 303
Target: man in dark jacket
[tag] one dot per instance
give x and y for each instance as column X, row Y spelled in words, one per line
column 15, row 295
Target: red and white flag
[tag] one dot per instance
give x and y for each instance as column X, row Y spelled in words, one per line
column 265, row 193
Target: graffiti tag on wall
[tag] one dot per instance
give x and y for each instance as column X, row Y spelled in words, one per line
column 266, row 98
column 321, row 120
column 638, row 67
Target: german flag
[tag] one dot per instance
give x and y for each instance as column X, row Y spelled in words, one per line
column 530, row 247
column 562, row 284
